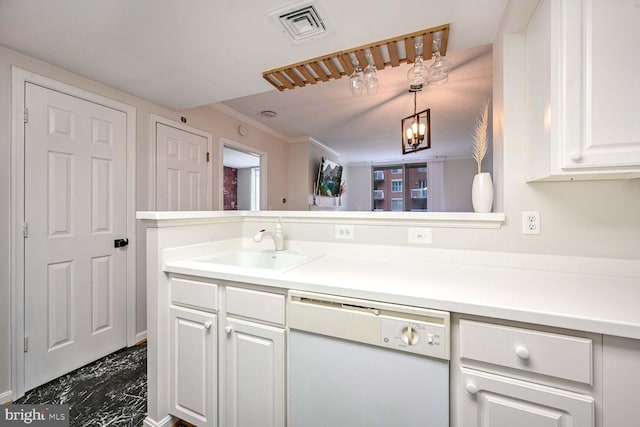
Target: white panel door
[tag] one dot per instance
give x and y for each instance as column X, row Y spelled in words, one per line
column 193, row 368
column 182, row 170
column 255, row 375
column 495, row 401
column 75, row 207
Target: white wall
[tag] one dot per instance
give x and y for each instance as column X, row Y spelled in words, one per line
column 300, row 176
column 244, row 189
column 358, row 188
column 458, row 177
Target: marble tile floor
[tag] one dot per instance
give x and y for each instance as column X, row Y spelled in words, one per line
column 111, row 391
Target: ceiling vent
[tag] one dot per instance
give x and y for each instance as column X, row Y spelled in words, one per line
column 303, row 21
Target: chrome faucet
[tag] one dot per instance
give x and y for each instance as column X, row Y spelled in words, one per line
column 277, row 236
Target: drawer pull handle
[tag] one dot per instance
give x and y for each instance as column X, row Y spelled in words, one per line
column 207, row 325
column 228, row 329
column 472, row 388
column 522, row 353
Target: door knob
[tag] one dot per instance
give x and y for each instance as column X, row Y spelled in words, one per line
column 120, row 243
column 207, row 325
column 228, row 329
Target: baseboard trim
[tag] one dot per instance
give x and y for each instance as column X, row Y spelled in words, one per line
column 141, row 336
column 6, row 397
column 167, row 421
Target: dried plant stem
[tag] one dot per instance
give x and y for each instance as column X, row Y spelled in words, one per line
column 480, row 141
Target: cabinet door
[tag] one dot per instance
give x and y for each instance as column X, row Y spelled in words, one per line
column 495, row 401
column 193, row 367
column 255, row 366
column 596, row 60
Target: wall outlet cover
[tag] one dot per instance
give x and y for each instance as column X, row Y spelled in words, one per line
column 344, row 232
column 419, row 235
column 531, row 222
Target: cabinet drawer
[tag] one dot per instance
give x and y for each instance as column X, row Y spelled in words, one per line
column 257, row 305
column 193, row 293
column 560, row 356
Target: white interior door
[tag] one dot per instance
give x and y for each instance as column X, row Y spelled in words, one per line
column 182, row 170
column 75, row 207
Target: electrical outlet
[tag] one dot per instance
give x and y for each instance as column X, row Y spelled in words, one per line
column 531, row 222
column 419, row 235
column 344, row 232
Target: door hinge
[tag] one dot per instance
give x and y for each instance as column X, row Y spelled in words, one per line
column 208, row 156
column 26, row 344
column 25, row 230
column 26, row 115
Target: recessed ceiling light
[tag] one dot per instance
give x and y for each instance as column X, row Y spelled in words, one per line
column 268, row 114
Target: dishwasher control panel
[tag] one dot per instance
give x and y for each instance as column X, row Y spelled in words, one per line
column 413, row 336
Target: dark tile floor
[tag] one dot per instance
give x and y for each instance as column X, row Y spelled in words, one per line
column 111, row 391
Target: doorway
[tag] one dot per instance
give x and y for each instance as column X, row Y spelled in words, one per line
column 241, row 187
column 73, row 198
column 183, row 167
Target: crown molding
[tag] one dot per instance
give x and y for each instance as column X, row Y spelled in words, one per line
column 324, row 147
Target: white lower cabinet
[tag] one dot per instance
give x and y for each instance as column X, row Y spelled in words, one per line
column 193, row 369
column 255, row 377
column 497, row 401
column 512, row 375
column 227, row 355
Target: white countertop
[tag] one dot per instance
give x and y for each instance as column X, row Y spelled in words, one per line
column 604, row 298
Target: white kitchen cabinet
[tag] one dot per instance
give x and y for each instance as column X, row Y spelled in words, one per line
column 621, row 376
column 511, row 374
column 193, row 369
column 583, row 65
column 255, row 377
column 249, row 355
column 498, row 401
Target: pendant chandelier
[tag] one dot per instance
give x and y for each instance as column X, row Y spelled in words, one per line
column 416, row 129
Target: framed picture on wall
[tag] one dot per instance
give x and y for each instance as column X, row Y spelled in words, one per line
column 329, row 178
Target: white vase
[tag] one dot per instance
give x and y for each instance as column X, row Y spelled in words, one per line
column 482, row 192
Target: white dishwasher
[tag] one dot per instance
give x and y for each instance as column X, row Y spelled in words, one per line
column 360, row 363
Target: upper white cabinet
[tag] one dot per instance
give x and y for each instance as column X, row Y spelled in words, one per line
column 583, row 64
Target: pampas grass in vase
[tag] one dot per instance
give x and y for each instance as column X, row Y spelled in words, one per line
column 480, row 141
column 482, row 189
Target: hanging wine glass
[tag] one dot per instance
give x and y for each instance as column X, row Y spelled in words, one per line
column 370, row 76
column 439, row 70
column 418, row 75
column 356, row 82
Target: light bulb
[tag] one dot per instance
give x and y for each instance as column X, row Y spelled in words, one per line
column 422, row 128
column 414, row 127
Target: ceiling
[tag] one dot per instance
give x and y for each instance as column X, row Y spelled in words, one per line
column 183, row 54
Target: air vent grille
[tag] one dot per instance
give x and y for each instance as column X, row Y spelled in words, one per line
column 302, row 21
